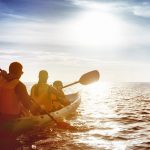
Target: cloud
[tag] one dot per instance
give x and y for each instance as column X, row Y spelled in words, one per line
column 49, row 57
column 136, row 54
column 142, row 11
column 130, row 9
column 59, row 10
column 30, row 34
column 43, row 9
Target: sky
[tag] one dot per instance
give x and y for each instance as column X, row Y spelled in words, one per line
column 71, row 37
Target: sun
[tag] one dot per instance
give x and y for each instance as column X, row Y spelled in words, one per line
column 95, row 28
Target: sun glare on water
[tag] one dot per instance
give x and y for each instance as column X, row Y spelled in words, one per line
column 98, row 88
column 97, row 94
column 98, row 108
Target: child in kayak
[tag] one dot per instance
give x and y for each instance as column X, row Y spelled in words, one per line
column 60, row 96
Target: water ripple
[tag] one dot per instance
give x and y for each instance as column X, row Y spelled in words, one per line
column 112, row 116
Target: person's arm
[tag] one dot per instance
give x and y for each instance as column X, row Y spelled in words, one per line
column 26, row 100
column 56, row 92
column 23, row 96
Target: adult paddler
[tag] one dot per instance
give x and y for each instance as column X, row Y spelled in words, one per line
column 44, row 94
column 13, row 96
column 40, row 91
column 13, row 93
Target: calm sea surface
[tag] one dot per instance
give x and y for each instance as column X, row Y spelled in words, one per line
column 111, row 116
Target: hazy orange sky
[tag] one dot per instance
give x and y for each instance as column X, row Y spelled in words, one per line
column 71, row 37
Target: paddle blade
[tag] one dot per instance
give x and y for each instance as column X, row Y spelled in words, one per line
column 89, row 77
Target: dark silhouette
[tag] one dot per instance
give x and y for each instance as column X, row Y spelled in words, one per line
column 40, row 92
column 60, row 96
column 45, row 95
column 14, row 101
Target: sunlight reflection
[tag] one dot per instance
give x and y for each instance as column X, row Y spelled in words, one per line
column 100, row 117
column 101, row 88
column 96, row 100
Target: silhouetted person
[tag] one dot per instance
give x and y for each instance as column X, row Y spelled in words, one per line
column 40, row 92
column 13, row 96
column 46, row 95
column 60, row 96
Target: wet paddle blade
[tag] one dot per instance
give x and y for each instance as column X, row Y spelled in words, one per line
column 89, row 77
column 86, row 78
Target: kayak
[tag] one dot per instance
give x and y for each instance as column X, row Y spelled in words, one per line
column 23, row 124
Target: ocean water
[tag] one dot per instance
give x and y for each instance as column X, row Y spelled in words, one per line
column 111, row 116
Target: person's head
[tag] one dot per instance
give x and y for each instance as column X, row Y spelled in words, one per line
column 58, row 84
column 15, row 69
column 43, row 76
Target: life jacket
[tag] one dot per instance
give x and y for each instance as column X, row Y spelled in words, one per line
column 53, row 97
column 40, row 93
column 56, row 100
column 9, row 103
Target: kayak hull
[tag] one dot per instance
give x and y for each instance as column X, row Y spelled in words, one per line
column 27, row 123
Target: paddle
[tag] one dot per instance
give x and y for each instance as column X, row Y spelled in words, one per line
column 86, row 78
column 60, row 124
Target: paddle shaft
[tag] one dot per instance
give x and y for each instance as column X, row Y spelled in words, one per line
column 45, row 111
column 50, row 116
column 86, row 78
column 60, row 124
column 70, row 84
